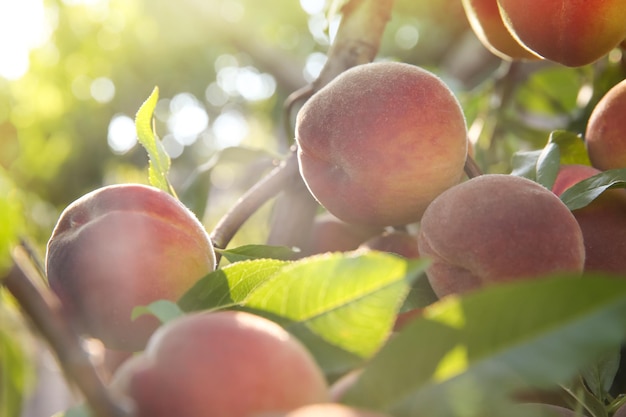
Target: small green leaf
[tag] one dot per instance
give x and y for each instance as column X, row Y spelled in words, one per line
column 229, row 286
column 600, row 375
column 585, row 399
column 572, row 147
column 159, row 160
column 587, row 190
column 164, row 310
column 15, row 373
column 548, row 165
column 349, row 299
column 525, row 164
column 471, row 352
column 11, row 220
column 248, row 252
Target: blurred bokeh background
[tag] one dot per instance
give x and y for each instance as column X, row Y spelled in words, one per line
column 73, row 73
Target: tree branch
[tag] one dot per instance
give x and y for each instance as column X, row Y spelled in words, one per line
column 357, row 42
column 44, row 312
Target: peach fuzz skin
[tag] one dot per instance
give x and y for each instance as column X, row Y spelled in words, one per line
column 486, row 22
column 380, row 142
column 221, row 364
column 497, row 228
column 605, row 135
column 124, row 246
column 571, row 32
column 603, row 222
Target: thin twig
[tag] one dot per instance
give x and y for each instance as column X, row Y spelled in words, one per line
column 43, row 310
column 471, row 167
column 253, row 199
column 357, row 42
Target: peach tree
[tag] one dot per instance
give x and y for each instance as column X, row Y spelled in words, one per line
column 506, row 296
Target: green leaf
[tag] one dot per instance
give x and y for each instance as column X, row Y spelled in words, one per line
column 13, row 371
column 471, row 352
column 600, row 375
column 548, row 164
column 248, row 252
column 585, row 399
column 572, row 147
column 525, row 164
column 587, row 190
column 159, row 160
column 349, row 299
column 164, row 310
column 17, row 375
column 229, row 286
column 11, row 220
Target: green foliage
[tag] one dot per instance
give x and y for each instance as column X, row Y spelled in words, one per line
column 11, row 220
column 247, row 252
column 162, row 309
column 542, row 165
column 587, row 190
column 16, row 373
column 469, row 354
column 159, row 159
column 342, row 306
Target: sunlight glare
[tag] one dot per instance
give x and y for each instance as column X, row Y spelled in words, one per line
column 122, row 135
column 229, row 129
column 23, row 27
column 188, row 118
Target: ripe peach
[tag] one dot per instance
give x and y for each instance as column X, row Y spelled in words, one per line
column 572, row 33
column 380, row 142
column 605, row 136
column 496, row 228
column 329, row 234
column 221, row 364
column 486, row 22
column 603, row 222
column 123, row 246
column 400, row 243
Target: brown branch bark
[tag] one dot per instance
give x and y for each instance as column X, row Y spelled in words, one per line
column 43, row 311
column 357, row 42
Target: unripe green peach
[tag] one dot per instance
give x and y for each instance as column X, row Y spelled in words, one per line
column 603, row 222
column 496, row 228
column 123, row 246
column 380, row 142
column 221, row 364
column 605, row 136
column 486, row 22
column 570, row 32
